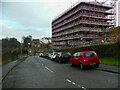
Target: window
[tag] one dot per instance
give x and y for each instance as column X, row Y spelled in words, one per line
column 75, row 55
column 90, row 54
column 79, row 55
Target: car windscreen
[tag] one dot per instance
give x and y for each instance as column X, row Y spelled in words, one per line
column 65, row 54
column 55, row 53
column 89, row 54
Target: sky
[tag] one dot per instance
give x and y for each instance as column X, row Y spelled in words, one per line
column 30, row 17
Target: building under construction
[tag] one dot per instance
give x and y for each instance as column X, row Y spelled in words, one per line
column 80, row 24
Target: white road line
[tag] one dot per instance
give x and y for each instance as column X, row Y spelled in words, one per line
column 48, row 69
column 69, row 80
column 76, row 84
column 73, row 83
column 83, row 87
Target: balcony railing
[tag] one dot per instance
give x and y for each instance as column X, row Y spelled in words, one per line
column 81, row 21
column 77, row 9
column 76, row 36
column 77, row 30
column 79, row 15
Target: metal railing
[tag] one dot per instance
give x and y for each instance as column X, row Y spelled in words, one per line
column 105, row 39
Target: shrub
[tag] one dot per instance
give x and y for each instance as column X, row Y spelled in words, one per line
column 103, row 50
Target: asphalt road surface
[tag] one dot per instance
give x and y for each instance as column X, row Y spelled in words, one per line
column 37, row 72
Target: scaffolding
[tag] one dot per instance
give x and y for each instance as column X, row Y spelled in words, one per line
column 80, row 24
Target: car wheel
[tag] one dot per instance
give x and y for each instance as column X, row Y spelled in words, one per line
column 50, row 58
column 97, row 65
column 72, row 64
column 81, row 66
column 59, row 61
column 55, row 59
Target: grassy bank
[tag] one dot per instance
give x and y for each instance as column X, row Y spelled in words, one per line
column 109, row 61
column 23, row 58
column 7, row 61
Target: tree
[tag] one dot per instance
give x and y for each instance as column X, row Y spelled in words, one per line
column 26, row 40
column 10, row 49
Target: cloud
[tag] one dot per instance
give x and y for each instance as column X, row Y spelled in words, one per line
column 37, row 14
column 35, row 32
column 24, row 13
column 9, row 31
column 31, row 18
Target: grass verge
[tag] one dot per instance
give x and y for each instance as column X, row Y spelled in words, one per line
column 109, row 61
column 7, row 61
column 23, row 58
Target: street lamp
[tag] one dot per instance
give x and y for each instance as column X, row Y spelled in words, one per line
column 21, row 47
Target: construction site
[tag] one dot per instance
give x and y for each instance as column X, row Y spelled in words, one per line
column 84, row 23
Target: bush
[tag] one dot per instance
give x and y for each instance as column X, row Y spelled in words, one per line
column 103, row 50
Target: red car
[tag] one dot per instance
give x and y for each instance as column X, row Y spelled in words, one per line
column 85, row 58
column 41, row 54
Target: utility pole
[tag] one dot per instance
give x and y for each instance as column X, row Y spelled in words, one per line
column 21, row 48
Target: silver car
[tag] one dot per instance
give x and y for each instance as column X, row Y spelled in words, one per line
column 53, row 56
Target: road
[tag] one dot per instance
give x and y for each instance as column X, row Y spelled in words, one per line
column 37, row 72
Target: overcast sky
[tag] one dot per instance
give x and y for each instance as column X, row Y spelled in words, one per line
column 30, row 17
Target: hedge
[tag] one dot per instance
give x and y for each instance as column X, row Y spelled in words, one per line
column 103, row 50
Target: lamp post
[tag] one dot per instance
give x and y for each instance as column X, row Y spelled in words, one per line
column 21, row 47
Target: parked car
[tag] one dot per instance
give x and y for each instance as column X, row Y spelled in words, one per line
column 41, row 54
column 45, row 55
column 53, row 56
column 63, row 57
column 85, row 58
column 49, row 55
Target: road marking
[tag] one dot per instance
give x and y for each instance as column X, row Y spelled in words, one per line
column 83, row 87
column 68, row 80
column 76, row 84
column 73, row 83
column 48, row 69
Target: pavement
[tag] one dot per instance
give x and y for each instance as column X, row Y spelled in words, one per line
column 37, row 72
column 8, row 66
column 109, row 68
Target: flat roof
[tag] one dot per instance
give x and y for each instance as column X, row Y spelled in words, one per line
column 69, row 9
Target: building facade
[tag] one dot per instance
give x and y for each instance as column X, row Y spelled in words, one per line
column 80, row 24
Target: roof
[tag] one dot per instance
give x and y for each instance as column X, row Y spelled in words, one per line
column 85, row 52
column 69, row 9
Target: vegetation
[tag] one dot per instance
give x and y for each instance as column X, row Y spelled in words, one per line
column 11, row 48
column 104, row 51
column 23, row 58
column 109, row 61
column 26, row 40
column 7, row 61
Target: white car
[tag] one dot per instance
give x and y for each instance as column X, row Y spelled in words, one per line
column 53, row 55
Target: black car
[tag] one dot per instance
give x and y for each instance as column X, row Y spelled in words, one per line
column 45, row 55
column 63, row 57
